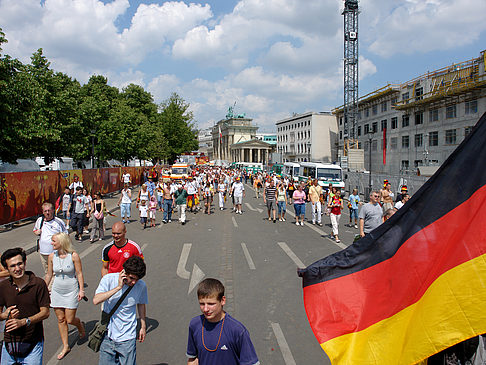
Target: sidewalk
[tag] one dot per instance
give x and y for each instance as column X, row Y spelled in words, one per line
column 21, row 235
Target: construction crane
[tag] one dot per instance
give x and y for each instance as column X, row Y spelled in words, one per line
column 350, row 12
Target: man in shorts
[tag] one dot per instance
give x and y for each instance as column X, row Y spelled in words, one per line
column 269, row 198
column 238, row 191
column 207, row 342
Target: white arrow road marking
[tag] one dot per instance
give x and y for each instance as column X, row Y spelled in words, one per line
column 248, row 257
column 292, row 255
column 253, row 209
column 181, row 266
column 196, row 277
column 234, row 222
column 284, row 346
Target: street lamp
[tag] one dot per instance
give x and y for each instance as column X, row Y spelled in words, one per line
column 370, row 139
column 93, row 131
column 309, row 151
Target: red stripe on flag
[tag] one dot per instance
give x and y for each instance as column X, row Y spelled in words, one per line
column 384, row 146
column 354, row 302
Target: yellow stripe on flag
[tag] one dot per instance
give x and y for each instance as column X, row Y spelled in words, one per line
column 450, row 311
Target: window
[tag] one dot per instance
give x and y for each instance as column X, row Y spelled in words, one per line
column 375, row 109
column 419, row 140
column 467, row 131
column 359, row 130
column 418, row 93
column 405, row 141
column 450, row 136
column 394, row 101
column 405, row 120
column 359, row 115
column 374, row 127
column 366, row 145
column 393, row 143
column 367, row 112
column 434, row 115
column 366, row 128
column 451, row 111
column 340, row 134
column 374, row 145
column 384, row 106
column 419, row 118
column 417, row 163
column 405, row 97
column 434, row 138
column 383, row 125
column 471, row 107
column 405, row 164
column 394, row 123
column 341, row 121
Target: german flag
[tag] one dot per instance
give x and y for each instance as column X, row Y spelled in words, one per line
column 416, row 284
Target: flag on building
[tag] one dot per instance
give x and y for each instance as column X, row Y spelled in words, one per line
column 220, row 134
column 416, row 284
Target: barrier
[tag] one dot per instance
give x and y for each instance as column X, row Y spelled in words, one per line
column 22, row 193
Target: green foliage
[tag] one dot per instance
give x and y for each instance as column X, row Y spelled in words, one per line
column 49, row 114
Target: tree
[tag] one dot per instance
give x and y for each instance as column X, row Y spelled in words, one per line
column 176, row 123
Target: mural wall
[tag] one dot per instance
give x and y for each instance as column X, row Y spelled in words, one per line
column 22, row 193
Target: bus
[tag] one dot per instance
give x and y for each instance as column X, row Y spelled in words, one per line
column 277, row 168
column 291, row 170
column 325, row 173
column 252, row 167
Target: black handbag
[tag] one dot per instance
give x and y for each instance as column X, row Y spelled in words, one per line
column 99, row 331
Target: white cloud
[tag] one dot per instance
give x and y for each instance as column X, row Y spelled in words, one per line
column 162, row 86
column 414, row 26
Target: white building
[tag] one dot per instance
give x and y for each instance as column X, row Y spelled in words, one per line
column 309, row 136
column 420, row 122
column 205, row 140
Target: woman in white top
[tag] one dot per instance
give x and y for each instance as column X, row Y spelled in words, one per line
column 143, row 194
column 64, row 265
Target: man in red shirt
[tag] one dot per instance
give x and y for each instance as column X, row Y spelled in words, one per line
column 118, row 251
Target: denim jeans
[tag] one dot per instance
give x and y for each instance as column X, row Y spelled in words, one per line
column 34, row 358
column 125, row 210
column 160, row 200
column 167, row 209
column 281, row 207
column 121, row 353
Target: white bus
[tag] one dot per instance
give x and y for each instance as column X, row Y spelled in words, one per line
column 291, row 169
column 325, row 173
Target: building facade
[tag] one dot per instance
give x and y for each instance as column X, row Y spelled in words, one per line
column 205, row 140
column 234, row 140
column 420, row 122
column 309, row 136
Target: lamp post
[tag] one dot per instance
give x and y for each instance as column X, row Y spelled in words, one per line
column 309, row 151
column 370, row 139
column 92, row 147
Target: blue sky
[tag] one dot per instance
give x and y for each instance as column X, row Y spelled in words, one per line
column 273, row 57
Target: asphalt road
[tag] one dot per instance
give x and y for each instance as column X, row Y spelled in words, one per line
column 256, row 260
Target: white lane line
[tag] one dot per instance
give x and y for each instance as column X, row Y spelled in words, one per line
column 284, row 346
column 234, row 222
column 144, row 247
column 181, row 266
column 88, row 251
column 320, row 231
column 250, row 207
column 292, row 255
column 248, row 257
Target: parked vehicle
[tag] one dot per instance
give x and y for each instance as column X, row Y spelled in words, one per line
column 325, row 173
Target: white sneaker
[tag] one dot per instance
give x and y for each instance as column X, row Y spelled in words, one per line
column 280, row 219
column 170, row 221
column 355, row 226
column 302, row 223
column 297, row 223
column 283, row 219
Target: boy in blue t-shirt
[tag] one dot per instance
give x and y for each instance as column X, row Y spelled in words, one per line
column 215, row 337
column 354, row 203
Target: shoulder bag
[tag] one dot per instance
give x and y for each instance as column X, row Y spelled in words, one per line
column 99, row 331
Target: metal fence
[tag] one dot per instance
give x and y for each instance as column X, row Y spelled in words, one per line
column 361, row 181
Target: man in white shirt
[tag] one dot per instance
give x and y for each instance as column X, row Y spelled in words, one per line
column 238, row 191
column 126, row 179
column 45, row 227
column 75, row 184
